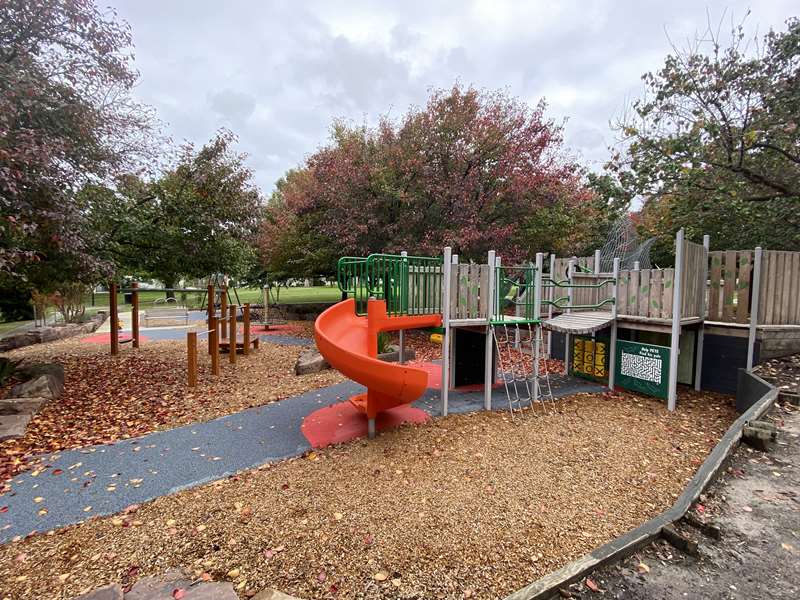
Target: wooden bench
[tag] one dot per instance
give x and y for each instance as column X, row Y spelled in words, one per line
column 168, row 313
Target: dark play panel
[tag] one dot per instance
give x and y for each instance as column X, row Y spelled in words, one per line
column 470, row 357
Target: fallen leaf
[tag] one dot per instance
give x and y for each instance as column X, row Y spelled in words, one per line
column 592, row 585
column 642, row 568
column 381, row 576
column 178, row 593
column 233, row 573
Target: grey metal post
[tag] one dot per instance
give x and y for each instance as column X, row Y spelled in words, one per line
column 698, row 359
column 597, row 268
column 567, row 310
column 537, row 327
column 675, row 339
column 756, row 296
column 446, row 268
column 488, row 371
column 612, row 346
column 551, row 296
column 402, row 352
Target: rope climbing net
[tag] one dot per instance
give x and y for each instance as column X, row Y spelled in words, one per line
column 526, row 382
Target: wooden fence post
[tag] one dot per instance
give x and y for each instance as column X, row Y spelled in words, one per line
column 135, row 314
column 210, row 308
column 754, row 306
column 213, row 341
column 191, row 358
column 232, row 336
column 112, row 309
column 246, row 332
column 223, row 309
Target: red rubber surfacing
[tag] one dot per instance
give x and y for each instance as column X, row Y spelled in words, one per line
column 343, row 422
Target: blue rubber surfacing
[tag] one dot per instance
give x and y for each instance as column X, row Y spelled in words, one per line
column 101, row 480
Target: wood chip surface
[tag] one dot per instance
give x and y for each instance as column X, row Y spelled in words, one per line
column 469, row 506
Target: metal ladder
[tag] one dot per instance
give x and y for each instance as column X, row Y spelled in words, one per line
column 522, row 381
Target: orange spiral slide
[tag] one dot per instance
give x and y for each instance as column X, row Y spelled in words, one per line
column 350, row 344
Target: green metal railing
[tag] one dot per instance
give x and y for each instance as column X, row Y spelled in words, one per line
column 410, row 285
column 549, row 283
column 515, row 286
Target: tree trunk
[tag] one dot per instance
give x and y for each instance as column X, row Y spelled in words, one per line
column 169, row 284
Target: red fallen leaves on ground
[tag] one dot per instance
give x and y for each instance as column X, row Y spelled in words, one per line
column 104, row 400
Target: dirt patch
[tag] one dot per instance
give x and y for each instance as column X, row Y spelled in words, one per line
column 111, row 398
column 469, row 506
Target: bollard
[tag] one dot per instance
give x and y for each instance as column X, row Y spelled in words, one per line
column 191, row 358
column 213, row 340
column 246, row 332
column 232, row 336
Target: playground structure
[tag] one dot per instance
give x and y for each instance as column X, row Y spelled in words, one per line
column 222, row 334
column 646, row 330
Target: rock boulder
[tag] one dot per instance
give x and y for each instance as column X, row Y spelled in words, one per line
column 310, row 361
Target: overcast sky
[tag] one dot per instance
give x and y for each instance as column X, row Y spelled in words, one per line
column 277, row 73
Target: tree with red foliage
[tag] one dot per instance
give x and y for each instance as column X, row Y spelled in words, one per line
column 66, row 118
column 472, row 170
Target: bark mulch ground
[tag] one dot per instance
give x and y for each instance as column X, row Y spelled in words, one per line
column 469, row 506
column 784, row 372
column 109, row 398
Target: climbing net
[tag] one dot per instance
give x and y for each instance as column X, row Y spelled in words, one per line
column 624, row 243
column 518, row 361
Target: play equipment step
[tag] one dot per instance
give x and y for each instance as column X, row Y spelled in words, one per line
column 224, row 345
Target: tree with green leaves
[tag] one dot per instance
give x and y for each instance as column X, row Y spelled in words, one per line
column 714, row 146
column 196, row 219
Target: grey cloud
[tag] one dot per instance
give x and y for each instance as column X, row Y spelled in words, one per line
column 278, row 72
column 237, row 106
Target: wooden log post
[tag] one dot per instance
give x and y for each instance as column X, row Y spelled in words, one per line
column 232, row 336
column 223, row 309
column 135, row 314
column 112, row 309
column 246, row 332
column 210, row 311
column 191, row 358
column 213, row 341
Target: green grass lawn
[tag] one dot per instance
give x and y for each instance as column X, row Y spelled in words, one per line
column 292, row 295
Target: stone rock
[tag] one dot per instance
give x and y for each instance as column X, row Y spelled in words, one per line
column 163, row 586
column 107, row 592
column 55, row 370
column 21, row 406
column 13, row 426
column 310, row 361
column 393, row 354
column 42, row 386
column 270, row 594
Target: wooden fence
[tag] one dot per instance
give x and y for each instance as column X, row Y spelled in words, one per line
column 730, row 287
column 693, row 285
column 469, row 285
column 779, row 288
column 646, row 293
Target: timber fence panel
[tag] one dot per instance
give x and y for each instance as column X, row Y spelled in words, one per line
column 743, row 284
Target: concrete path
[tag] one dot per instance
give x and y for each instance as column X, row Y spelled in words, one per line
column 102, row 480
